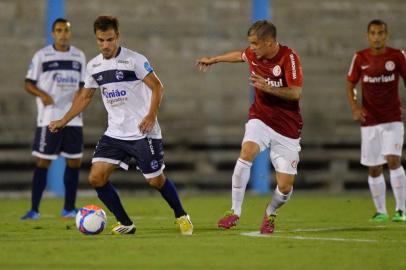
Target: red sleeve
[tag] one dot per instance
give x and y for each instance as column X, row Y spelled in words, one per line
column 402, row 66
column 354, row 72
column 247, row 54
column 293, row 70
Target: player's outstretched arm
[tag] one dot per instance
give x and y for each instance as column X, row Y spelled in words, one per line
column 204, row 63
column 153, row 82
column 358, row 113
column 31, row 88
column 80, row 102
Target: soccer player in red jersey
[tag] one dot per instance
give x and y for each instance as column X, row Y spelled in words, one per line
column 274, row 117
column 380, row 114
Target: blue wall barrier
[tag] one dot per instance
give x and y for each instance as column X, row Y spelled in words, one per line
column 55, row 9
column 260, row 171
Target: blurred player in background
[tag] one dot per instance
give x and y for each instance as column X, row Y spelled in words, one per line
column 131, row 93
column 380, row 114
column 274, row 118
column 55, row 76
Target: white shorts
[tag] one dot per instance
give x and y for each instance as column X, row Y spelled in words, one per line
column 284, row 152
column 379, row 141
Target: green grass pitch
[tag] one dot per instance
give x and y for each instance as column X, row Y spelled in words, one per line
column 314, row 231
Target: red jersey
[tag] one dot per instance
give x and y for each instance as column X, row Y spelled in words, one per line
column 379, row 75
column 283, row 70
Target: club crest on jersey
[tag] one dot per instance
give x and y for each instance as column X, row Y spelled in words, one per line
column 276, row 71
column 389, row 65
column 154, row 164
column 119, row 75
column 75, row 65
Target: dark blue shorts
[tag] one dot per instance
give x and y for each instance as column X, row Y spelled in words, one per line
column 148, row 154
column 67, row 142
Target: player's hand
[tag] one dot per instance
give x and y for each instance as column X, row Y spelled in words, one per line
column 259, row 82
column 147, row 124
column 55, row 126
column 358, row 114
column 46, row 99
column 204, row 63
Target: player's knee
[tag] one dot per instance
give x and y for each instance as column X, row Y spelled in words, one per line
column 375, row 171
column 393, row 162
column 96, row 179
column 156, row 182
column 43, row 163
column 74, row 163
column 285, row 188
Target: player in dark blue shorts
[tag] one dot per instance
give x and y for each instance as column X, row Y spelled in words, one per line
column 131, row 94
column 55, row 76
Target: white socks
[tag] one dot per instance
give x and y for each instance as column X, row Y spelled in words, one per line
column 278, row 200
column 240, row 178
column 378, row 188
column 398, row 183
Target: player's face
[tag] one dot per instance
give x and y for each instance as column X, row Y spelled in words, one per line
column 107, row 42
column 61, row 34
column 377, row 36
column 260, row 47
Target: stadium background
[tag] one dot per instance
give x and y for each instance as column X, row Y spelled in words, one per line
column 203, row 115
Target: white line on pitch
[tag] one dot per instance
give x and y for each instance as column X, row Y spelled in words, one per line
column 335, row 229
column 258, row 234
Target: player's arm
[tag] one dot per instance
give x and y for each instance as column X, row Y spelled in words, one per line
column 358, row 113
column 292, row 93
column 79, row 104
column 153, row 82
column 203, row 63
column 32, row 88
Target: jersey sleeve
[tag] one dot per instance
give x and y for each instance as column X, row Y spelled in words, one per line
column 293, row 70
column 354, row 72
column 402, row 69
column 35, row 68
column 142, row 67
column 244, row 55
column 90, row 82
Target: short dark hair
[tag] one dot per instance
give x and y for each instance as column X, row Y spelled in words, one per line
column 104, row 23
column 262, row 29
column 59, row 20
column 377, row 22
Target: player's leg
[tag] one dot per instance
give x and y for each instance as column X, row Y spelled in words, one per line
column 392, row 149
column 106, row 158
column 45, row 149
column 284, row 160
column 377, row 187
column 371, row 156
column 71, row 181
column 39, row 182
column 168, row 191
column 256, row 139
column 71, row 149
column 99, row 179
column 281, row 195
column 149, row 156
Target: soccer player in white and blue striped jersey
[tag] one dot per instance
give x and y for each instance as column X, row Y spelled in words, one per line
column 131, row 93
column 55, row 76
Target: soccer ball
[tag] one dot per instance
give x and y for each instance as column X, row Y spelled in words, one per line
column 91, row 219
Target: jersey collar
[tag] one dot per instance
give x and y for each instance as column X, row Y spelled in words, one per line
column 53, row 46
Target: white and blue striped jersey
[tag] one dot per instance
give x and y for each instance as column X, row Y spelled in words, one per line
column 60, row 75
column 126, row 97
